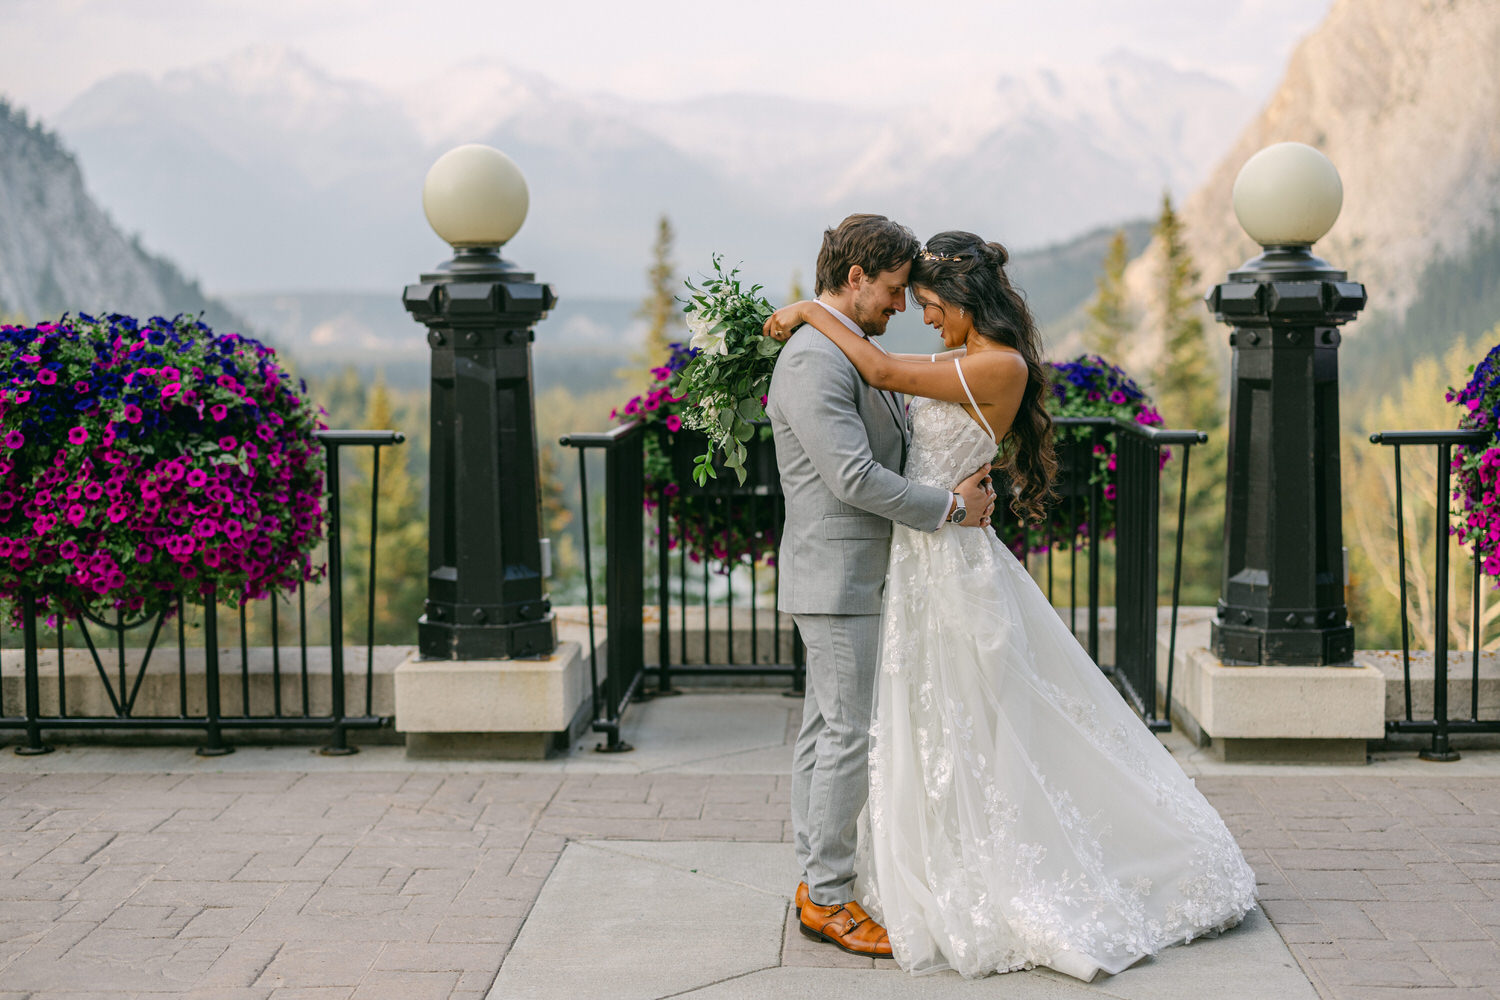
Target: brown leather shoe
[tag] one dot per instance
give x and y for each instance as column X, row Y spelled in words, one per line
column 801, row 899
column 847, row 926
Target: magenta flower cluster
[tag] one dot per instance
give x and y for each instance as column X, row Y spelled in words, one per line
column 1476, row 470
column 140, row 460
column 1087, row 386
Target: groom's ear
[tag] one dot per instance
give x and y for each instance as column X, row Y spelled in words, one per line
column 856, row 275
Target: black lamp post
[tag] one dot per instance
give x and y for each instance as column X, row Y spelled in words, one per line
column 1282, row 600
column 485, row 591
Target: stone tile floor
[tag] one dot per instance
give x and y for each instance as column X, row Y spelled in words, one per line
column 274, row 873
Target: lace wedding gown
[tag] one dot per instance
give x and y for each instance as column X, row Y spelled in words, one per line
column 1020, row 813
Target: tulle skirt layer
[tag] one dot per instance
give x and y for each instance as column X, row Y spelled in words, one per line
column 1020, row 813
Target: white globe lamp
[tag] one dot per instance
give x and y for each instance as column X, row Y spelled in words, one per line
column 475, row 198
column 1288, row 194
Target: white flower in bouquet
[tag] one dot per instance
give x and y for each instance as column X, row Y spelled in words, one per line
column 709, row 336
column 727, row 380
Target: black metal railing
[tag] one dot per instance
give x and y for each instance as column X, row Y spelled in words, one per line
column 682, row 586
column 624, row 575
column 749, row 516
column 202, row 708
column 1440, row 726
column 1136, row 538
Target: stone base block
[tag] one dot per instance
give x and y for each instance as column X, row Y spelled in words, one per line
column 1289, row 751
column 271, row 676
column 1276, row 713
column 492, row 707
column 483, row 746
column 1460, row 682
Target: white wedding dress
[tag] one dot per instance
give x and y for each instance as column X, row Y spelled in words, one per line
column 1020, row 813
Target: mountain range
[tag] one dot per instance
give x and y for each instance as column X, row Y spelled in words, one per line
column 269, row 174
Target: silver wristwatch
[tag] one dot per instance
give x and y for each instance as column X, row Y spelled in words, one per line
column 959, row 510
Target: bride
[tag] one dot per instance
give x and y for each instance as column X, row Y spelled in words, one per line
column 1020, row 814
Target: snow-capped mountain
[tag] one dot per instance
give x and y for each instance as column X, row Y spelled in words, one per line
column 265, row 172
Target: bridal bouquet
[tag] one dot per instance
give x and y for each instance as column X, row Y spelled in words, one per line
column 726, row 382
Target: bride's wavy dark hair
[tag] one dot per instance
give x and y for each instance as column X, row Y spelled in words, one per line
column 969, row 273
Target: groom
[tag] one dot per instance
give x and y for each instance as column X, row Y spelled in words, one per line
column 840, row 445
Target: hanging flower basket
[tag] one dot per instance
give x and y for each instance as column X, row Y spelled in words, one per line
column 1087, row 386
column 142, row 460
column 1476, row 469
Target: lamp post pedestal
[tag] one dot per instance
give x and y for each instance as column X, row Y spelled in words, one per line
column 485, row 592
column 1251, row 677
column 1282, row 600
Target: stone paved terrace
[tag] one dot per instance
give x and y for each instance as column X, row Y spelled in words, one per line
column 276, row 873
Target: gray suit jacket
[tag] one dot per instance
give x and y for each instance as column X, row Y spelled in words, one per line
column 838, row 441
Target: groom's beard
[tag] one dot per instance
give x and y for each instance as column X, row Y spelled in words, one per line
column 873, row 323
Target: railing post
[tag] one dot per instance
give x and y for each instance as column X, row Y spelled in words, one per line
column 664, row 574
column 624, row 576
column 215, row 746
column 1096, row 539
column 34, row 744
column 1440, row 749
column 1187, row 454
column 340, row 746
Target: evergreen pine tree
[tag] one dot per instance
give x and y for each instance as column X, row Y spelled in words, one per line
column 1188, row 387
column 796, row 292
column 1109, row 313
column 1188, row 396
column 660, row 310
column 400, row 583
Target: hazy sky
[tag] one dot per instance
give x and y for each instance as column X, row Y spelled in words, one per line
column 50, row 50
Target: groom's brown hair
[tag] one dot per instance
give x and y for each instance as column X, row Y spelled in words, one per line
column 873, row 242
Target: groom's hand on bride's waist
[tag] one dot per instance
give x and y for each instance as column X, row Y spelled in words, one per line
column 977, row 495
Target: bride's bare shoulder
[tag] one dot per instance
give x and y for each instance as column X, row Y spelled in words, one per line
column 999, row 364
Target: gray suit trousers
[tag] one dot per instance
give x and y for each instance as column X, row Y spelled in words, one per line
column 830, row 761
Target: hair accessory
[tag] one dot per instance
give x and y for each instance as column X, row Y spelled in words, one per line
column 927, row 254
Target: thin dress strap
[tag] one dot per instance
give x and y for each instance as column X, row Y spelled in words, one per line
column 978, row 413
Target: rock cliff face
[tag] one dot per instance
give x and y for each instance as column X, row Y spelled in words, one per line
column 1404, row 97
column 60, row 252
